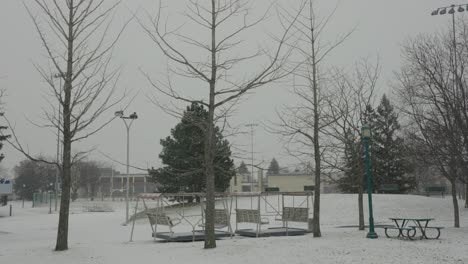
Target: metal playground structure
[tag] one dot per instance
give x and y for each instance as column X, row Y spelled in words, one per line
column 248, row 211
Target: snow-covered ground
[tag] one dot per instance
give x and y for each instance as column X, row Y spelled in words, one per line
column 29, row 237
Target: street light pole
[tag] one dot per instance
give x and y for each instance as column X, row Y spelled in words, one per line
column 131, row 117
column 366, row 134
column 252, row 154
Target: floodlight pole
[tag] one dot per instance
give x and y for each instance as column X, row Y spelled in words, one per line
column 132, row 117
column 443, row 11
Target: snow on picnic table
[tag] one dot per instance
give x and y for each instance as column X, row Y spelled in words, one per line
column 29, row 237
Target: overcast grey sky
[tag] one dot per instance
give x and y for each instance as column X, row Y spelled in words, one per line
column 381, row 26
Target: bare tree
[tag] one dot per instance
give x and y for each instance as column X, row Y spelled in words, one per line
column 213, row 63
column 347, row 111
column 303, row 123
column 431, row 97
column 74, row 34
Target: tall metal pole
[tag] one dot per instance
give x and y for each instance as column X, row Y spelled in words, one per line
column 57, row 173
column 132, row 117
column 455, row 62
column 371, row 233
column 252, row 155
column 112, row 183
column 128, row 171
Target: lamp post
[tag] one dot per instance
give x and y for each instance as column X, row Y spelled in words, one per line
column 131, row 117
column 366, row 135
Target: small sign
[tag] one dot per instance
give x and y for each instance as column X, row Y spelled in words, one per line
column 6, row 186
column 272, row 189
column 309, row 188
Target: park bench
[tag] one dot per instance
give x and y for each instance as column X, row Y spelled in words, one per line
column 295, row 214
column 438, row 189
column 222, row 220
column 156, row 219
column 250, row 216
column 389, row 188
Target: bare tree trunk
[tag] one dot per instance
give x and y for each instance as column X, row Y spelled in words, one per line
column 465, row 193
column 361, row 206
column 62, row 234
column 210, row 239
column 317, row 157
column 317, row 154
column 456, row 213
column 459, row 188
column 85, row 70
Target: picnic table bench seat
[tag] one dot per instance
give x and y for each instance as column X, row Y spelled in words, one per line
column 408, row 229
column 438, row 228
column 389, row 188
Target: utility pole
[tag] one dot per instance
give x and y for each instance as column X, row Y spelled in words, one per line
column 252, row 125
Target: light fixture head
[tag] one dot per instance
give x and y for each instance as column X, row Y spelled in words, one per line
column 451, row 11
column 133, row 116
column 443, row 11
column 119, row 113
column 435, row 12
column 461, row 9
column 366, row 131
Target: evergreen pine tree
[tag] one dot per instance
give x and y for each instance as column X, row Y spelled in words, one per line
column 3, row 137
column 243, row 169
column 274, row 167
column 183, row 156
column 354, row 157
column 354, row 164
column 388, row 150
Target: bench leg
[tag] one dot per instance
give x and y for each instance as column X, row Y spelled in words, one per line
column 437, row 236
column 411, row 236
column 399, row 233
column 386, row 234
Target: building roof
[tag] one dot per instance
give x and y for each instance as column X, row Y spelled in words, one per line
column 292, row 174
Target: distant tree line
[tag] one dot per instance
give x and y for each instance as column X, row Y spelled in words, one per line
column 32, row 177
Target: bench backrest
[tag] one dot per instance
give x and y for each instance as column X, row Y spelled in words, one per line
column 389, row 187
column 247, row 216
column 295, row 214
column 221, row 217
column 160, row 219
column 436, row 189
